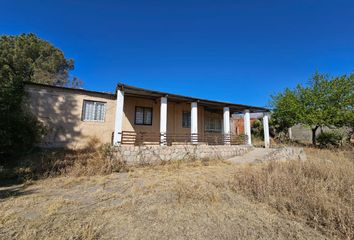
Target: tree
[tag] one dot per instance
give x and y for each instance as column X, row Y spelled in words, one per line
column 30, row 58
column 257, row 129
column 325, row 101
column 26, row 58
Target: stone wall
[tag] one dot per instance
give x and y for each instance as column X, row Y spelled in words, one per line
column 140, row 155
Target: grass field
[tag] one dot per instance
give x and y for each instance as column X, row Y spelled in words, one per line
column 196, row 200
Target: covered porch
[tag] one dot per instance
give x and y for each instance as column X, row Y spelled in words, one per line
column 146, row 117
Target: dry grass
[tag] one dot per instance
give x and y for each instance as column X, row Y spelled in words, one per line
column 319, row 191
column 190, row 200
column 94, row 159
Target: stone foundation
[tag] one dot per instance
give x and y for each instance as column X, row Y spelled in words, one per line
column 141, row 155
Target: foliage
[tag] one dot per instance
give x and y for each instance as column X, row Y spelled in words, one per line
column 29, row 58
column 285, row 108
column 326, row 101
column 257, row 129
column 26, row 58
column 329, row 139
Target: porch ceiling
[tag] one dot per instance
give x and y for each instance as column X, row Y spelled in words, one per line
column 209, row 104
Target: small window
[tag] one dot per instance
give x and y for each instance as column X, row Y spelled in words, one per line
column 186, row 120
column 143, row 116
column 93, row 111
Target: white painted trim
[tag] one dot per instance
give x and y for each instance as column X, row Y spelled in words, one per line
column 117, row 136
column 247, row 126
column 226, row 124
column 266, row 130
column 194, row 121
column 163, row 120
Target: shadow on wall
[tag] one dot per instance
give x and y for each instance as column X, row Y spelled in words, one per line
column 60, row 113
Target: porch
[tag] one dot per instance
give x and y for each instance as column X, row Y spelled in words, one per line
column 146, row 117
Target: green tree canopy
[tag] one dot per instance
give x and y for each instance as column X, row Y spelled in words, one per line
column 26, row 58
column 29, row 58
column 325, row 101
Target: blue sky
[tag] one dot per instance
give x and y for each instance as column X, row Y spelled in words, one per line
column 236, row 51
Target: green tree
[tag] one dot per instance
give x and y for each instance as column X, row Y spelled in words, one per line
column 325, row 101
column 29, row 58
column 257, row 129
column 26, row 58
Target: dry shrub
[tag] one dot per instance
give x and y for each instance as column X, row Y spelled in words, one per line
column 97, row 161
column 319, row 190
column 94, row 159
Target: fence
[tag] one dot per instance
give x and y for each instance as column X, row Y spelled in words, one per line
column 151, row 138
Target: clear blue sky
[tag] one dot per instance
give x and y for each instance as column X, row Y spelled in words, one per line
column 237, row 51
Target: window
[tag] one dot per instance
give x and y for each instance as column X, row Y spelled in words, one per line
column 93, row 111
column 186, row 120
column 213, row 124
column 143, row 116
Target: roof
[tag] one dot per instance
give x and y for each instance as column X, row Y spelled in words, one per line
column 71, row 89
column 209, row 104
column 152, row 94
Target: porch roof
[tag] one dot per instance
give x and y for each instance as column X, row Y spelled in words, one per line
column 209, row 104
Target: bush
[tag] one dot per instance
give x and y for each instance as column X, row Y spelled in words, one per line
column 329, row 139
column 92, row 160
column 19, row 132
column 257, row 129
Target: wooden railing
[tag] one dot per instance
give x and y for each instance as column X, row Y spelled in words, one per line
column 150, row 138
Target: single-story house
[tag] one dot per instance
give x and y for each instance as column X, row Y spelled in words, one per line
column 135, row 116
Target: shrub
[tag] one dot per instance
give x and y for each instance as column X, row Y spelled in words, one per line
column 19, row 132
column 257, row 129
column 98, row 160
column 329, row 139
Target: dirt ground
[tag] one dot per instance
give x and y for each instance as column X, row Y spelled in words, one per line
column 175, row 201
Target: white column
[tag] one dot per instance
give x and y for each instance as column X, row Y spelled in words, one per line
column 117, row 136
column 247, row 126
column 226, row 125
column 266, row 130
column 290, row 133
column 163, row 120
column 194, row 122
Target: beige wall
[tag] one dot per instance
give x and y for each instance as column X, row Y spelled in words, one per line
column 61, row 109
column 174, row 116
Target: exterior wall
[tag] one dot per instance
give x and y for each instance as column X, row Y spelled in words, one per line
column 61, row 111
column 303, row 133
column 238, row 125
column 174, row 116
column 141, row 155
column 129, row 114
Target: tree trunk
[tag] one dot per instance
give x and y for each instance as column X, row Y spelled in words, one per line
column 314, row 135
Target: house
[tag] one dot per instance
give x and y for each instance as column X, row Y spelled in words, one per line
column 135, row 116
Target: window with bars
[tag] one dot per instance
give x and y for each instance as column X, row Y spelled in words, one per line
column 186, row 120
column 93, row 111
column 143, row 116
column 213, row 124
